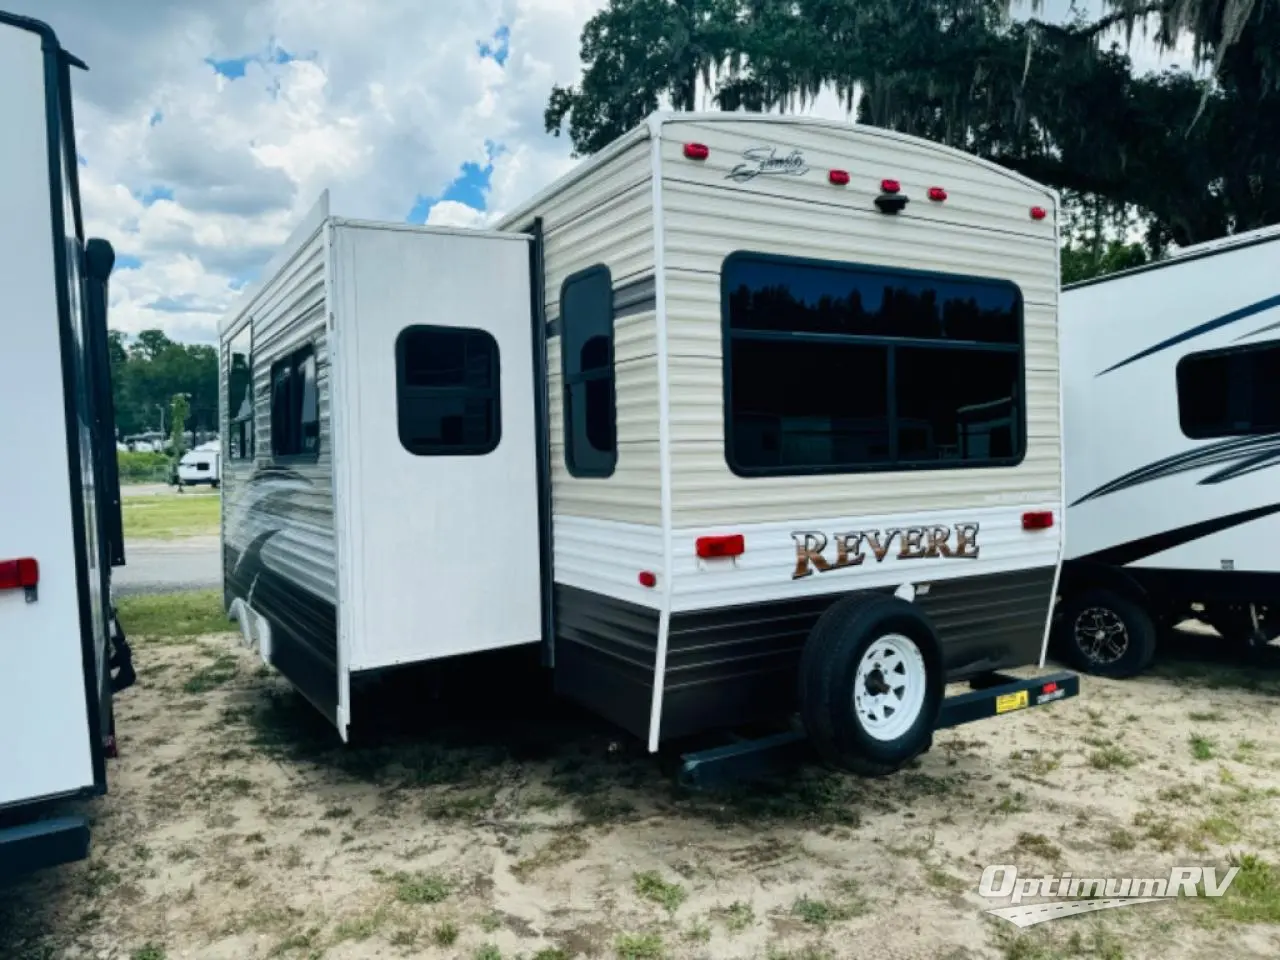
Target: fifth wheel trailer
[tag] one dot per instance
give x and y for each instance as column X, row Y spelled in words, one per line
column 1171, row 377
column 60, row 529
column 744, row 414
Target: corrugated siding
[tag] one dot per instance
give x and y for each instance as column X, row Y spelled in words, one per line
column 287, row 314
column 607, row 218
column 983, row 229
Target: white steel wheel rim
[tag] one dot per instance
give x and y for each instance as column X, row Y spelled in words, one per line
column 889, row 687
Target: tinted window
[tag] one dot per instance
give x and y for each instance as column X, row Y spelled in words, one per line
column 295, row 409
column 586, row 360
column 1230, row 393
column 447, row 395
column 240, row 396
column 834, row 367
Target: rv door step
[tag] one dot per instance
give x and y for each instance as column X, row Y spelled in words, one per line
column 990, row 695
column 43, row 843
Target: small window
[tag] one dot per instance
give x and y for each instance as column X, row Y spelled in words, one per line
column 839, row 368
column 295, row 408
column 447, row 391
column 240, row 445
column 586, row 363
column 1230, row 393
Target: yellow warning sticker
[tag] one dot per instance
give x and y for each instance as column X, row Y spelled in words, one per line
column 1011, row 701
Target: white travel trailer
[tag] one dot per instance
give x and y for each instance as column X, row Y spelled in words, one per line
column 199, row 467
column 60, row 516
column 1171, row 375
column 735, row 388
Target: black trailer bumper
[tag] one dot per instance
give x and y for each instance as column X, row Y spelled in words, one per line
column 42, row 843
column 991, row 695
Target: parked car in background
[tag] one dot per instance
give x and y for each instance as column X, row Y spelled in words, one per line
column 199, row 467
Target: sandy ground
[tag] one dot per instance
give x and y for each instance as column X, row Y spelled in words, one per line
column 237, row 829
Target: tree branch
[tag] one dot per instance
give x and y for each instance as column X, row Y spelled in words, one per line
column 1102, row 24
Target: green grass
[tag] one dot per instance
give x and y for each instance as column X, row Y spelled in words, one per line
column 149, row 952
column 639, row 946
column 222, row 670
column 174, row 615
column 1109, row 757
column 1201, row 747
column 421, row 888
column 169, row 517
column 1254, row 895
column 652, row 887
column 446, row 934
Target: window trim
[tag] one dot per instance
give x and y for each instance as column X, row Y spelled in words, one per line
column 493, row 394
column 727, row 335
column 292, row 358
column 579, row 472
column 1244, row 348
column 252, row 420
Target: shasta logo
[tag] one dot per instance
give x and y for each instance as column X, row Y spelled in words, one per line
column 765, row 162
column 852, row 549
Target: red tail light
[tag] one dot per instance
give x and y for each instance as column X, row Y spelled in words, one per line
column 1037, row 520
column 890, row 186
column 1039, row 213
column 696, row 151
column 1049, row 688
column 838, row 177
column 21, row 574
column 733, row 545
column 937, row 194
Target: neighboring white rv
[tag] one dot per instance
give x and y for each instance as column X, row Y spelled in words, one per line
column 1172, row 393
column 737, row 388
column 199, row 467
column 60, row 530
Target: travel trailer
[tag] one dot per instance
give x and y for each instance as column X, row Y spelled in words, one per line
column 60, row 531
column 199, row 467
column 1171, row 377
column 745, row 414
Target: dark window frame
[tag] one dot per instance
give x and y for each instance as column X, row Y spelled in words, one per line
column 597, row 463
column 892, row 465
column 245, row 427
column 1235, row 350
column 492, row 394
column 292, row 364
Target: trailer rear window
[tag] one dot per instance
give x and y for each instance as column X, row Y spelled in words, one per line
column 295, row 407
column 1230, row 393
column 447, row 391
column 839, row 368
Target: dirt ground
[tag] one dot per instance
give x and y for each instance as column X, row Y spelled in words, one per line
column 237, row 829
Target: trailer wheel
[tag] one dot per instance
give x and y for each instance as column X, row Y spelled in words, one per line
column 871, row 684
column 1106, row 634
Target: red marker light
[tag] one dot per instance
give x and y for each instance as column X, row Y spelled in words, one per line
column 1039, row 213
column 1049, row 688
column 937, row 194
column 890, row 186
column 696, row 151
column 733, row 545
column 838, row 177
column 1037, row 520
column 647, row 579
column 20, row 574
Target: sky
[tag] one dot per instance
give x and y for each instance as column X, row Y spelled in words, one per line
column 206, row 130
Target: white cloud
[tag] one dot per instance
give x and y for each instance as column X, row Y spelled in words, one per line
column 199, row 177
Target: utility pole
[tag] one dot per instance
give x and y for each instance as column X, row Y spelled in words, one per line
column 160, row 407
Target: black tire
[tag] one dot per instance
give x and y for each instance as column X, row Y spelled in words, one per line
column 828, row 672
column 1122, row 655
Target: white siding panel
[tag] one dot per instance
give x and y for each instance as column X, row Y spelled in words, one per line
column 979, row 195
column 287, row 313
column 607, row 557
column 765, row 571
column 983, row 229
column 606, row 218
